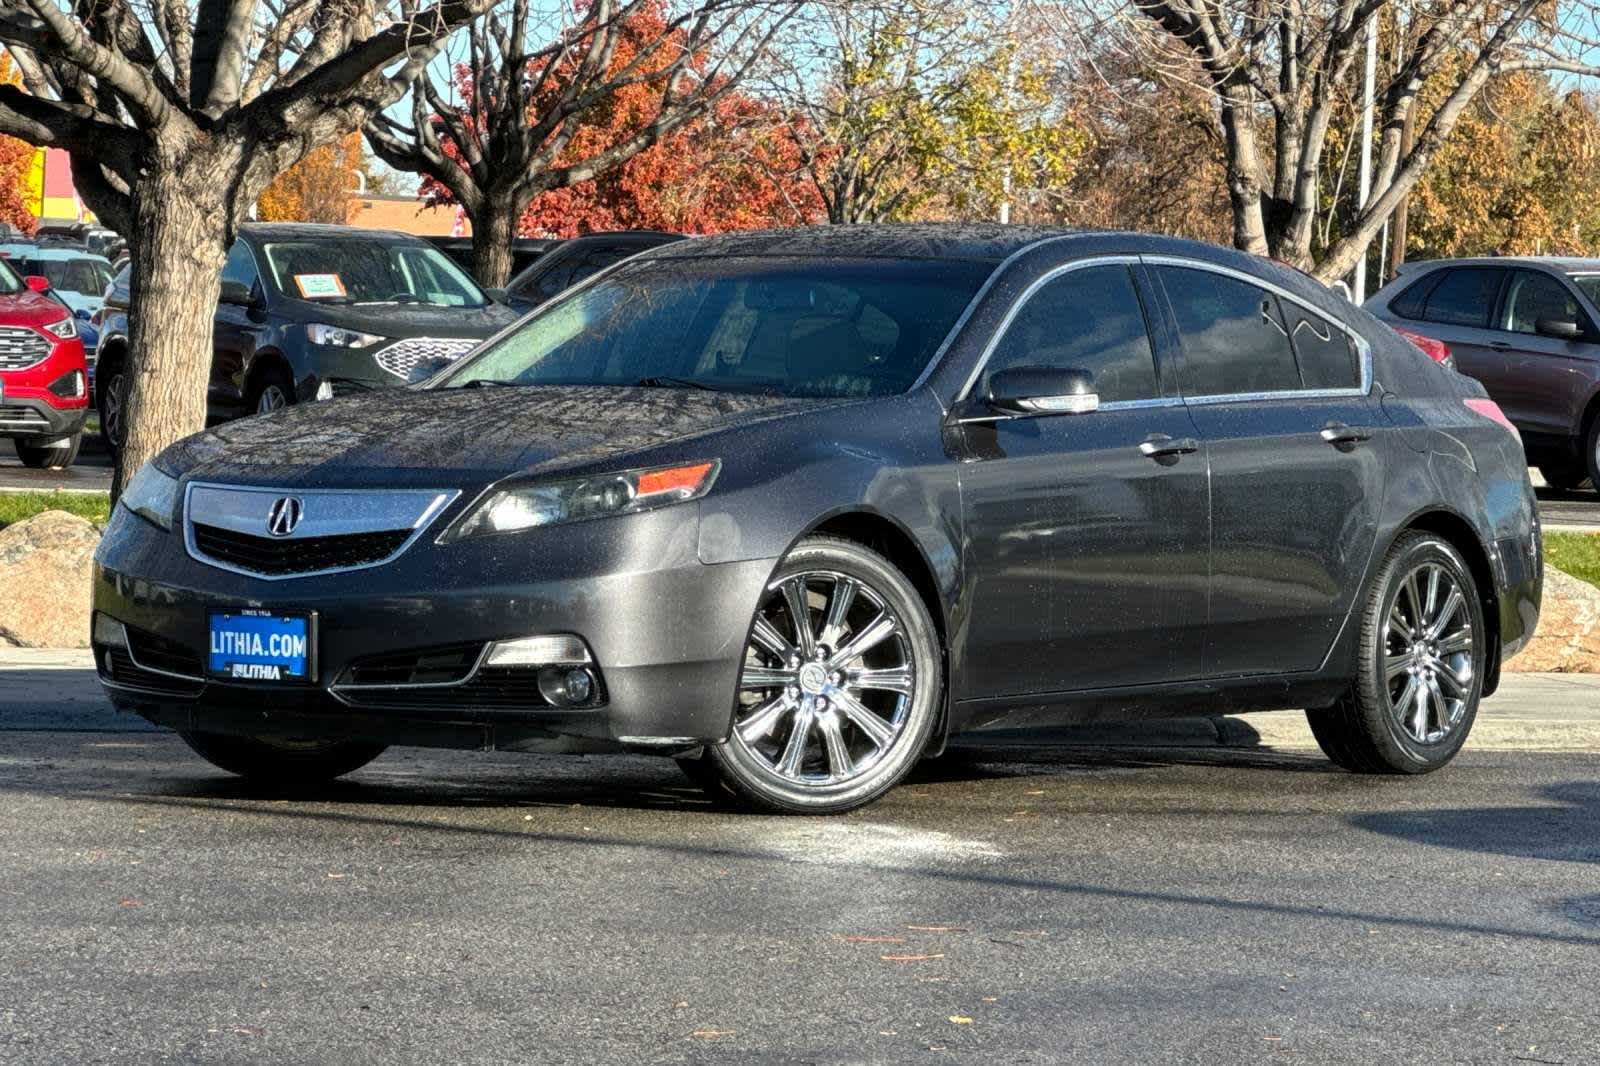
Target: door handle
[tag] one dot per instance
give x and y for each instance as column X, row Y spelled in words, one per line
column 1159, row 445
column 1500, row 346
column 1337, row 433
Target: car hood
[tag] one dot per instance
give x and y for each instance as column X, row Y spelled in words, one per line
column 406, row 320
column 459, row 438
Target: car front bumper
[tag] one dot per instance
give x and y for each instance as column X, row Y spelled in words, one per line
column 666, row 633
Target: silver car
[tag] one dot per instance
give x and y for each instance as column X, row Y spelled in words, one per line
column 1526, row 329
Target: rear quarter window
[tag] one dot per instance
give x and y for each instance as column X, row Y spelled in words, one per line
column 1414, row 298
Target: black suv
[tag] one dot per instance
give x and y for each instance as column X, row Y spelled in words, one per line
column 573, row 261
column 312, row 311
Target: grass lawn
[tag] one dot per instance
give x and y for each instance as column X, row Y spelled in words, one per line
column 15, row 506
column 1576, row 553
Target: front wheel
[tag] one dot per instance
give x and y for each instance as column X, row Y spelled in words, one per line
column 839, row 690
column 1423, row 648
column 56, row 455
column 282, row 762
column 273, row 390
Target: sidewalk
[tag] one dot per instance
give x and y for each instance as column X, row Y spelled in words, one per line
column 57, row 690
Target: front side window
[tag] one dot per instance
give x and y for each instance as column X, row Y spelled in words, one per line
column 787, row 327
column 1088, row 319
column 1533, row 296
column 1233, row 334
column 368, row 272
column 1465, row 296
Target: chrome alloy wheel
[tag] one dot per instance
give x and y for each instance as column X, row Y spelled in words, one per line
column 828, row 681
column 272, row 399
column 1428, row 667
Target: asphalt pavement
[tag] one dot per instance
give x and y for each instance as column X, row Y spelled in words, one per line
column 1044, row 902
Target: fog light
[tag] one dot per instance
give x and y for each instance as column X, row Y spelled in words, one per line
column 557, row 649
column 70, row 386
column 109, row 632
column 563, row 687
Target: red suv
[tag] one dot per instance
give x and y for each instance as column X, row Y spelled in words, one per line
column 44, row 381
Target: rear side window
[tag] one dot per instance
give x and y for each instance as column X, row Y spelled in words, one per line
column 1465, row 297
column 1327, row 358
column 1233, row 333
column 1088, row 319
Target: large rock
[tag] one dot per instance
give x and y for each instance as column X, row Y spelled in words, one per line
column 1568, row 639
column 44, row 581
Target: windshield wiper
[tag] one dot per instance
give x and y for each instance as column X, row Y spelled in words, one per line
column 657, row 381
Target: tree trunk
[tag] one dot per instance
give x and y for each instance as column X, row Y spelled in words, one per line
column 493, row 228
column 178, row 247
column 1244, row 171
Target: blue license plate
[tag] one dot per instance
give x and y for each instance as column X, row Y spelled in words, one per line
column 251, row 645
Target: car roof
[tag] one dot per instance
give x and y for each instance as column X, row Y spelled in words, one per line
column 266, row 231
column 41, row 252
column 984, row 242
column 1564, row 264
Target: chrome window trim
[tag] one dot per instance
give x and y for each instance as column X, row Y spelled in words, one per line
column 1027, row 294
column 442, row 501
column 1363, row 348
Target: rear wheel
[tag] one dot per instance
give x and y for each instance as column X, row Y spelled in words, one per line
column 113, row 404
column 1421, row 668
column 54, row 455
column 282, row 762
column 1591, row 451
column 839, row 690
column 1566, row 478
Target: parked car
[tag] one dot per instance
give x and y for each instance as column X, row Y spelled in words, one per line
column 577, row 260
column 525, row 251
column 44, row 381
column 78, row 277
column 1526, row 329
column 796, row 507
column 312, row 311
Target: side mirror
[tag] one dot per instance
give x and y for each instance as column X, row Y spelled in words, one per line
column 83, row 313
column 1041, row 390
column 499, row 296
column 37, row 283
column 1560, row 328
column 237, row 292
column 424, row 369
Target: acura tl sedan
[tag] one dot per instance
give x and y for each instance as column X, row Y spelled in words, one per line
column 794, row 508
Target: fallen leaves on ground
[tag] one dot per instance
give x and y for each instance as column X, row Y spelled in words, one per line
column 960, row 1019
column 911, row 958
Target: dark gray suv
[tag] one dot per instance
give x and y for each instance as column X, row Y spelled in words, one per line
column 1526, row 329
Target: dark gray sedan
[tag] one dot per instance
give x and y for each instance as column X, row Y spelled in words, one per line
column 795, row 507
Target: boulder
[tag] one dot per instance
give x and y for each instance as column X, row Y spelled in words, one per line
column 45, row 568
column 1568, row 638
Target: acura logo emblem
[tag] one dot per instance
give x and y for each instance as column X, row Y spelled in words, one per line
column 284, row 516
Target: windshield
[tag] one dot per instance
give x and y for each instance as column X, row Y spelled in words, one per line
column 87, row 276
column 369, row 272
column 789, row 327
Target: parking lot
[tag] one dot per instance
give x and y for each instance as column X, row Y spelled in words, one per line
column 1113, row 904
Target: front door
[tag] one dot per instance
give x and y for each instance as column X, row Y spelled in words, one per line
column 1279, row 394
column 1087, row 556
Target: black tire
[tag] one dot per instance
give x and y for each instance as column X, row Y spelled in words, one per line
column 273, row 383
column 56, row 455
column 1591, row 452
column 282, row 762
column 111, row 385
column 1364, row 732
column 875, row 758
column 1565, row 478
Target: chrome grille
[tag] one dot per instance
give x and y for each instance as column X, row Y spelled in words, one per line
column 21, row 347
column 401, row 356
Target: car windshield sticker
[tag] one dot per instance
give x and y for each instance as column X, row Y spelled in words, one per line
column 319, row 286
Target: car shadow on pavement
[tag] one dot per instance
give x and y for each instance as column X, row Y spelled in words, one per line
column 1567, row 830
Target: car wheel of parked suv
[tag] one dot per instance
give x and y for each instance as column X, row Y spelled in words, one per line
column 839, row 690
column 1565, row 478
column 273, row 390
column 282, row 762
column 1591, row 452
column 55, row 455
column 113, row 404
column 1421, row 671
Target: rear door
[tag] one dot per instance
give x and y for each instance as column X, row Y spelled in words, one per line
column 1280, row 396
column 1087, row 556
column 1458, row 311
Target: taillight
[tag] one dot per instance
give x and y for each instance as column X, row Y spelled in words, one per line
column 1491, row 410
column 1434, row 349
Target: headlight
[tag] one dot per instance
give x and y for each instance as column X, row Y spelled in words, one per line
column 66, row 329
column 530, row 506
column 339, row 337
column 151, row 495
